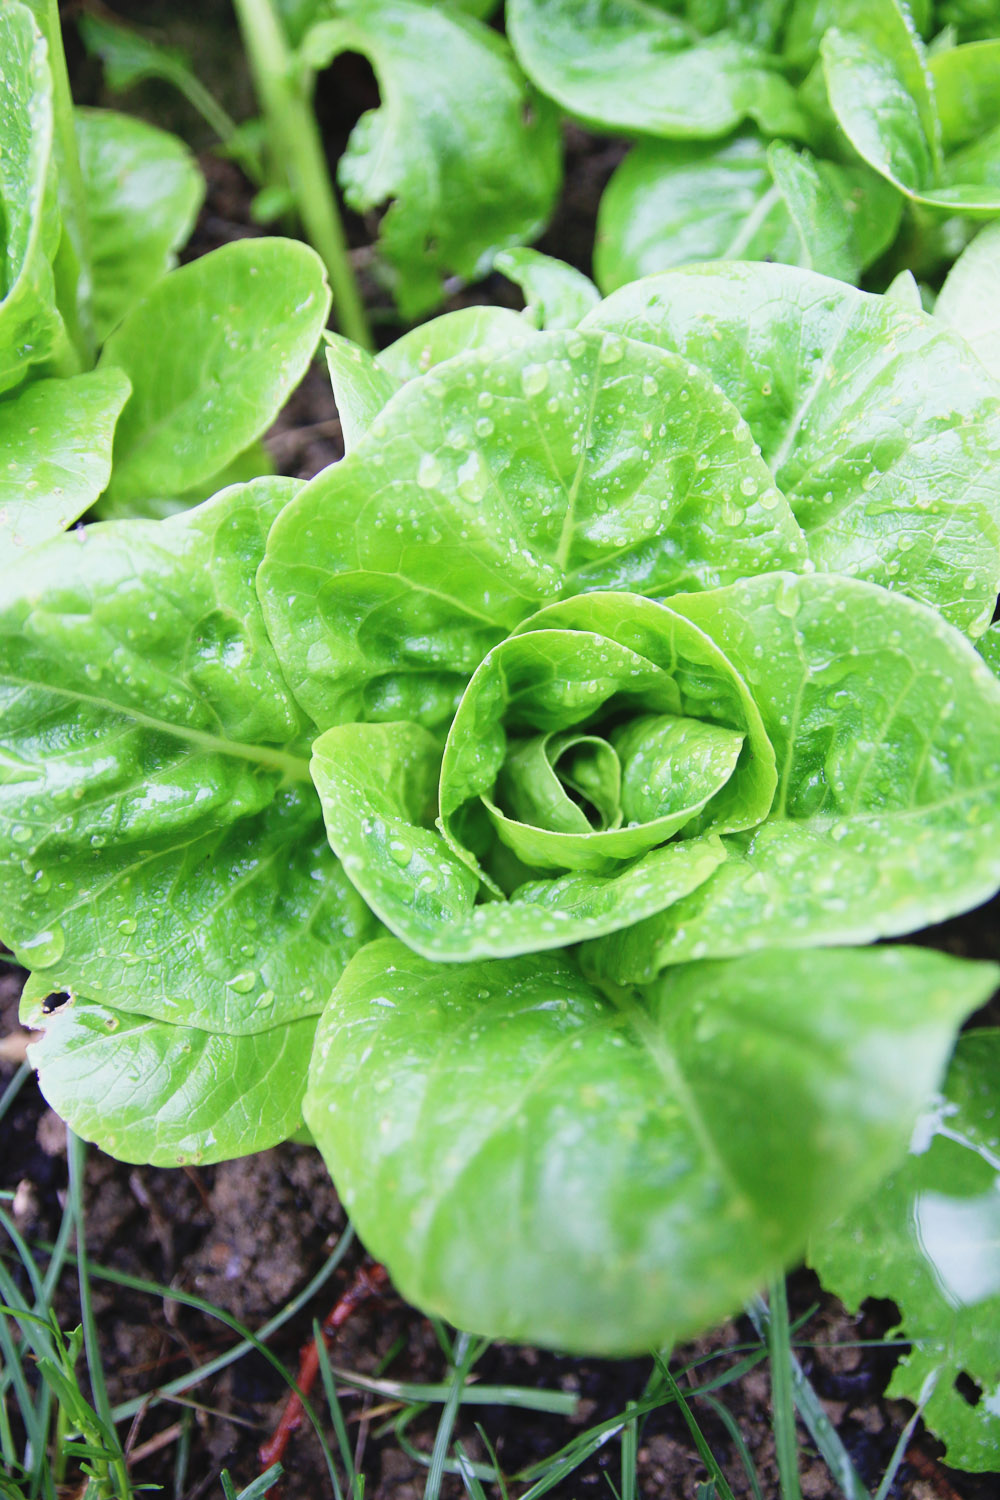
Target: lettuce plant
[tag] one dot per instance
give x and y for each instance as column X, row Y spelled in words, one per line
column 510, row 801
column 122, row 386
column 453, row 180
column 816, row 134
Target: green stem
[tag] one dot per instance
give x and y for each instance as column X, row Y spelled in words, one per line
column 72, row 265
column 295, row 143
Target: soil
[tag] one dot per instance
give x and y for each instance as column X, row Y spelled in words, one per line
column 247, row 1235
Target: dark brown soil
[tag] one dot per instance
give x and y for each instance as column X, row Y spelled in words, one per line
column 247, row 1235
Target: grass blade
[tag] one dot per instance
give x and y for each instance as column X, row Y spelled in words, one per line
column 708, row 1458
column 466, row 1351
column 786, row 1441
column 814, row 1418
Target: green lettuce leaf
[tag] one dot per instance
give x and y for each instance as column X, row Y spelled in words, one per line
column 212, row 351
column 928, row 1239
column 881, row 90
column 149, row 1090
column 493, row 485
column 629, row 67
column 886, row 727
column 31, row 329
column 878, row 424
column 461, row 181
column 533, row 1161
column 143, row 190
column 674, row 745
column 969, row 300
column 674, row 202
column 163, row 852
column 556, row 295
column 56, row 438
column 363, row 383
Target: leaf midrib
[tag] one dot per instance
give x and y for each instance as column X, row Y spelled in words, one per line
column 292, row 767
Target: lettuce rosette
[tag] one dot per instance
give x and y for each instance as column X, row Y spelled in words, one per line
column 583, row 718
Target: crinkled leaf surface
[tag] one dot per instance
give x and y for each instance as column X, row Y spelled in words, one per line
column 56, row 438
column 674, row 202
column 969, row 300
column 555, row 294
column 212, row 351
column 462, row 150
column 535, row 1162
column 377, row 784
column 163, row 850
column 929, row 1239
column 493, row 485
column 30, row 326
column 886, row 726
column 147, row 1090
column 598, row 667
column 143, row 193
column 879, row 426
column 626, row 66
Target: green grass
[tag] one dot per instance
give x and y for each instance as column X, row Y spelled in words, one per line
column 58, row 1426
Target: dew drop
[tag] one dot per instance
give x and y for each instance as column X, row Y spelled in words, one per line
column 44, row 949
column 428, row 472
column 243, row 982
column 534, row 379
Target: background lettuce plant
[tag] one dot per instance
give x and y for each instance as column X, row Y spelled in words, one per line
column 508, row 801
column 461, row 159
column 821, row 135
column 122, row 386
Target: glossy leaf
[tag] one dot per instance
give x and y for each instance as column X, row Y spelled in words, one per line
column 143, row 194
column 988, row 647
column 879, row 426
column 147, row 1090
column 597, row 666
column 460, row 332
column 880, row 90
column 162, row 848
column 807, row 22
column 966, row 82
column 969, row 300
column 212, row 351
column 670, row 203
column 535, row 1162
column 56, row 438
column 928, row 1239
column 377, row 782
column 360, row 386
column 630, row 67
column 31, row 329
column 462, row 178
column 555, row 294
column 493, row 485
column 886, row 727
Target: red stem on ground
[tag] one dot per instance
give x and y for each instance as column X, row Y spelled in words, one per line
column 370, row 1281
column 929, row 1469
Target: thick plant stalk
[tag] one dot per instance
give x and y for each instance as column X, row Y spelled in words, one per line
column 295, row 142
